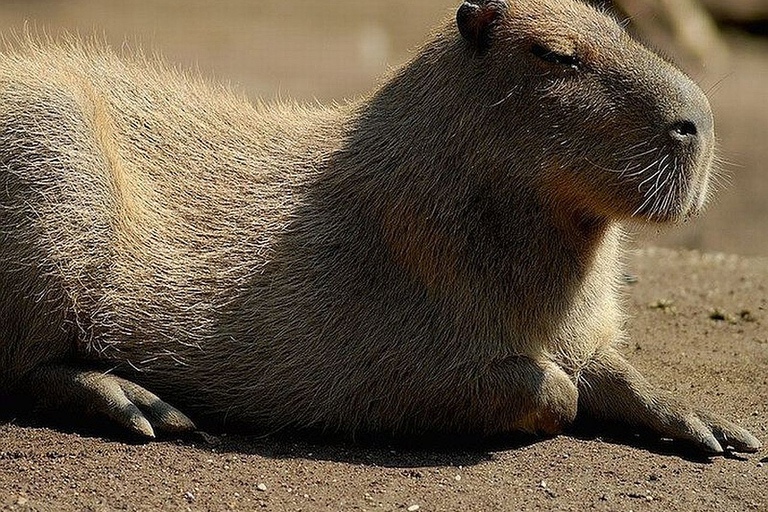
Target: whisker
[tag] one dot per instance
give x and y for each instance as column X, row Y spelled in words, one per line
column 608, row 169
column 642, row 206
column 669, row 195
column 505, row 98
column 716, row 86
column 640, row 172
column 656, row 207
column 660, row 163
column 645, row 142
column 644, row 153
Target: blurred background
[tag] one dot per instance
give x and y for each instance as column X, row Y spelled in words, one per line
column 331, row 50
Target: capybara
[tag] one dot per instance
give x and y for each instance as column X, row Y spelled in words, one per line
column 443, row 255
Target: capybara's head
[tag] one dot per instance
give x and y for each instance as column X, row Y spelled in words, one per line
column 609, row 127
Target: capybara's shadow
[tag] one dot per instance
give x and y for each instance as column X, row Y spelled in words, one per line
column 370, row 450
column 411, row 452
column 440, row 450
column 384, row 451
column 641, row 439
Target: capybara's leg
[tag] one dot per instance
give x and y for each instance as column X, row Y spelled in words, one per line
column 523, row 394
column 72, row 393
column 611, row 389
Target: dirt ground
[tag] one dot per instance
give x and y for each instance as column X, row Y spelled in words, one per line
column 716, row 364
column 305, row 49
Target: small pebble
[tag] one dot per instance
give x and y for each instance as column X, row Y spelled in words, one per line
column 261, row 487
column 413, row 508
column 457, row 478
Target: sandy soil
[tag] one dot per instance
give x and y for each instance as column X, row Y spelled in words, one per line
column 717, row 364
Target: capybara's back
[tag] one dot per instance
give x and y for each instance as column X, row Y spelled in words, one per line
column 440, row 256
column 138, row 205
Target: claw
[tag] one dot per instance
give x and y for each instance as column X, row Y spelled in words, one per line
column 142, row 427
column 162, row 415
column 729, row 434
column 65, row 390
column 746, row 444
column 712, row 445
column 171, row 420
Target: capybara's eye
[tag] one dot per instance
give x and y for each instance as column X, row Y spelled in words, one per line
column 554, row 57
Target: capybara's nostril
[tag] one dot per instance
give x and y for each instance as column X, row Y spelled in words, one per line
column 684, row 130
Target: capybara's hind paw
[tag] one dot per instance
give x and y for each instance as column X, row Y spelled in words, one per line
column 135, row 408
column 66, row 392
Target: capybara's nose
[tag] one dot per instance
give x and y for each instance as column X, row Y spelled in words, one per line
column 693, row 127
column 692, row 119
column 684, row 130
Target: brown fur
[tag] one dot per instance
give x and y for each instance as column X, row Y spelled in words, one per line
column 442, row 255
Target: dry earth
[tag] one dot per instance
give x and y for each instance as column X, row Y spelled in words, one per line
column 677, row 341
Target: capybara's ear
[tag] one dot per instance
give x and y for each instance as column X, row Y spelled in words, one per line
column 476, row 19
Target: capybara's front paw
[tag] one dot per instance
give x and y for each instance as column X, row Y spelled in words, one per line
column 554, row 400
column 721, row 434
column 611, row 389
column 560, row 399
column 707, row 432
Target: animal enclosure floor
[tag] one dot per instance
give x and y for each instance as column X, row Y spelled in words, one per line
column 698, row 326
